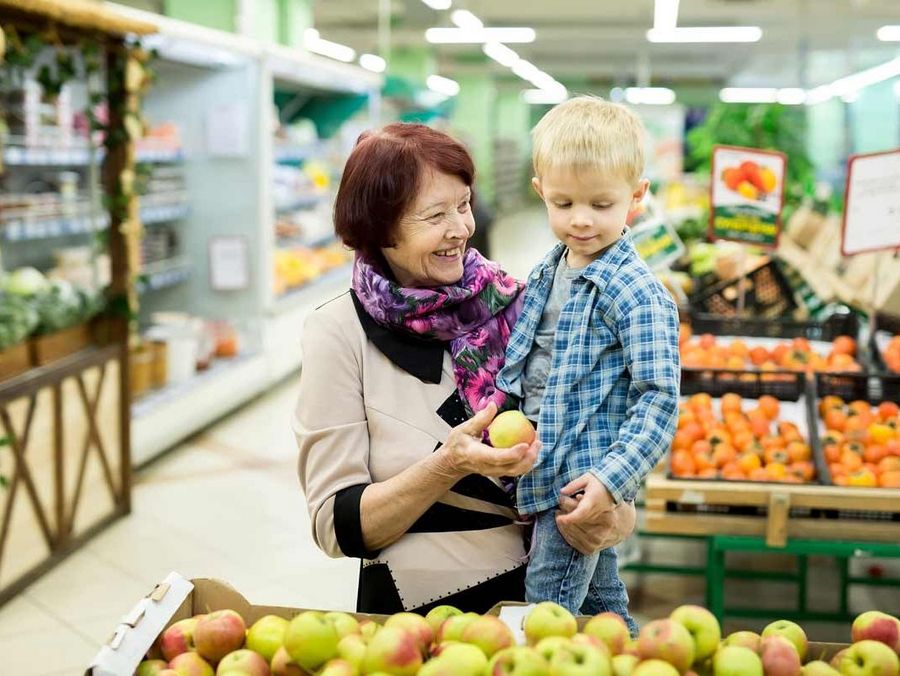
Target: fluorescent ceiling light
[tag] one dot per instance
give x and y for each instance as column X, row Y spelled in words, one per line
column 791, row 96
column 500, row 53
column 459, row 36
column 889, row 33
column 542, row 80
column 748, row 95
column 653, row 96
column 665, row 14
column 442, row 85
column 438, row 4
column 864, row 78
column 525, row 69
column 314, row 43
column 372, row 62
column 463, row 18
column 428, row 98
column 706, row 34
column 542, row 96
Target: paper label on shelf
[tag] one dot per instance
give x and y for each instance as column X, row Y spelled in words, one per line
column 746, row 195
column 228, row 264
column 226, row 131
column 657, row 243
column 872, row 208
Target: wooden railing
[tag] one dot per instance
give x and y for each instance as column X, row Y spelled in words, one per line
column 65, row 460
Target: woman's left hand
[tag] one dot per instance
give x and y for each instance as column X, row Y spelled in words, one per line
column 591, row 529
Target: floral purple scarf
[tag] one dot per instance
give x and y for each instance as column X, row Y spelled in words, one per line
column 476, row 315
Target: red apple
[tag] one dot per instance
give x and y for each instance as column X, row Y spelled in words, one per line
column 453, row 627
column 510, row 428
column 591, row 641
column 611, row 629
column 779, row 657
column 415, row 624
column 283, row 666
column 244, row 662
column 190, row 664
column 747, row 639
column 792, row 632
column 218, row 634
column 877, row 626
column 488, row 633
column 667, row 640
column 179, row 638
column 394, row 651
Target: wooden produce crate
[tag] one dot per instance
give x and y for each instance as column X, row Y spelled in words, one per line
column 52, row 346
column 774, row 511
column 14, row 360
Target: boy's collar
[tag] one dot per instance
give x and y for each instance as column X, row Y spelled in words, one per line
column 595, row 271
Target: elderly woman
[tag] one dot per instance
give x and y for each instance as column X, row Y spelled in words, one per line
column 397, row 386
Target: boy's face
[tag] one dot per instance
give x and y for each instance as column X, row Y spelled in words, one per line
column 587, row 208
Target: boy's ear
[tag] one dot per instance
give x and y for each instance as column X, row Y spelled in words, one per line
column 638, row 196
column 536, row 184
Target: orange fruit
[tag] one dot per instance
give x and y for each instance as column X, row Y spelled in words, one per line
column 772, row 441
column 759, row 355
column 703, row 461
column 889, row 479
column 708, row 473
column 840, row 480
column 888, row 410
column 837, row 469
column 835, row 420
column 829, row 403
column 880, row 433
column 805, row 469
column 770, row 406
column 862, row 478
column 759, row 474
column 719, row 436
column 700, row 400
column 832, row 437
column 852, row 461
column 682, row 440
column 874, row 453
column 749, row 462
column 789, row 431
column 776, row 470
column 731, row 403
column 777, row 455
column 844, row 345
column 889, row 464
column 760, row 427
column 797, row 450
column 707, row 340
column 832, row 453
column 683, row 464
column 860, row 407
column 724, row 454
column 743, row 440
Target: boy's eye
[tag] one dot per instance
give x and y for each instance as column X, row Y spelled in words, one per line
column 602, row 206
column 563, row 205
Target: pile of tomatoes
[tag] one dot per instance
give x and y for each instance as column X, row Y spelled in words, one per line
column 861, row 442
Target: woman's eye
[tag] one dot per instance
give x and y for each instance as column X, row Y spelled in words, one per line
column 436, row 217
column 464, row 207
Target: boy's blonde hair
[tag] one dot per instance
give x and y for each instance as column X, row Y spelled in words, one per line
column 588, row 132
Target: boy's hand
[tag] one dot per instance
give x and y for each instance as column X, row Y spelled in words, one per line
column 593, row 501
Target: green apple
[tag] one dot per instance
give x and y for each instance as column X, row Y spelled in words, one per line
column 266, row 635
column 338, row 667
column 747, row 639
column 703, row 627
column 869, row 658
column 151, row 667
column 510, row 428
column 877, row 626
column 393, row 650
column 311, row 640
column 667, row 640
column 819, row 668
column 549, row 619
column 838, row 656
column 344, row 623
column 735, row 660
column 580, row 660
column 623, row 665
column 352, row 648
column 609, row 628
column 592, row 641
column 655, row 667
column 517, row 661
column 190, row 664
column 465, row 658
column 368, row 628
column 438, row 614
column 779, row 657
column 549, row 646
column 453, row 627
column 283, row 666
column 792, row 631
column 245, row 662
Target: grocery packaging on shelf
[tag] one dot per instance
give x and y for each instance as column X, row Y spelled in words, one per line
column 203, row 624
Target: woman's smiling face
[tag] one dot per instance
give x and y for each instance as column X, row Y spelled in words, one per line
column 431, row 237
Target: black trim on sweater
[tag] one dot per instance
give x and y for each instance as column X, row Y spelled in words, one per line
column 347, row 524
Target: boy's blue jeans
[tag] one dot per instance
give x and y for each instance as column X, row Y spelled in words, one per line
column 585, row 585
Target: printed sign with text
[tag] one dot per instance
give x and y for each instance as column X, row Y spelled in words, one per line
column 872, row 209
column 657, row 243
column 747, row 195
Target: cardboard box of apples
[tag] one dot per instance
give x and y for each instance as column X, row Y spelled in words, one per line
column 205, row 628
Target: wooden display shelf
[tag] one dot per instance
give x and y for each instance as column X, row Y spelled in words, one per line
column 774, row 511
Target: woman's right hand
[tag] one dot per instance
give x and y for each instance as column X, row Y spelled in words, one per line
column 465, row 454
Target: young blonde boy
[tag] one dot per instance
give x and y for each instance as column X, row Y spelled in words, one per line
column 594, row 355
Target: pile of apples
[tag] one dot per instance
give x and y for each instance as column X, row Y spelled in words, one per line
column 746, row 442
column 891, row 354
column 861, row 442
column 705, row 351
column 448, row 642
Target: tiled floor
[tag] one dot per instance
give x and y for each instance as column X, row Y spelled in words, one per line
column 226, row 504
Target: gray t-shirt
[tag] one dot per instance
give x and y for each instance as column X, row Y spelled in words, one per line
column 537, row 366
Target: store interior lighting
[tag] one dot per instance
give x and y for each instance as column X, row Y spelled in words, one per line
column 438, row 4
column 788, row 96
column 650, row 96
column 543, row 96
column 373, row 62
column 442, row 85
column 706, row 34
column 501, row 53
column 462, row 36
column 463, row 18
column 889, row 33
column 314, row 43
column 665, row 14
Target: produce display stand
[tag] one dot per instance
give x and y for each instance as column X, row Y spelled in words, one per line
column 66, row 423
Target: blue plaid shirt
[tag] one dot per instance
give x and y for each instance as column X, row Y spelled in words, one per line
column 611, row 403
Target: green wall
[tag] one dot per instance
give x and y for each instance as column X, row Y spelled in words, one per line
column 874, row 119
column 473, row 120
column 217, row 14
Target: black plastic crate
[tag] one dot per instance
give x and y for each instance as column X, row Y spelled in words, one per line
column 783, row 385
column 889, row 324
column 767, row 293
column 838, row 324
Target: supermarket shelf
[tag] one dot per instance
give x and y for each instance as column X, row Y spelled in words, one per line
column 75, row 157
column 163, row 418
column 305, row 242
column 164, row 274
column 164, row 213
column 303, row 202
column 336, row 277
column 293, row 154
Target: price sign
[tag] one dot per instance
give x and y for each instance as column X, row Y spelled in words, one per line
column 657, row 243
column 872, row 207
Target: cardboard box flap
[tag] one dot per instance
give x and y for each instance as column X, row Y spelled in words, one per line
column 139, row 628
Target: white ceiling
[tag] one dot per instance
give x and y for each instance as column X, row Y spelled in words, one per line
column 805, row 42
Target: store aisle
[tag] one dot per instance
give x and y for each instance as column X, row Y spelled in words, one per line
column 227, row 504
